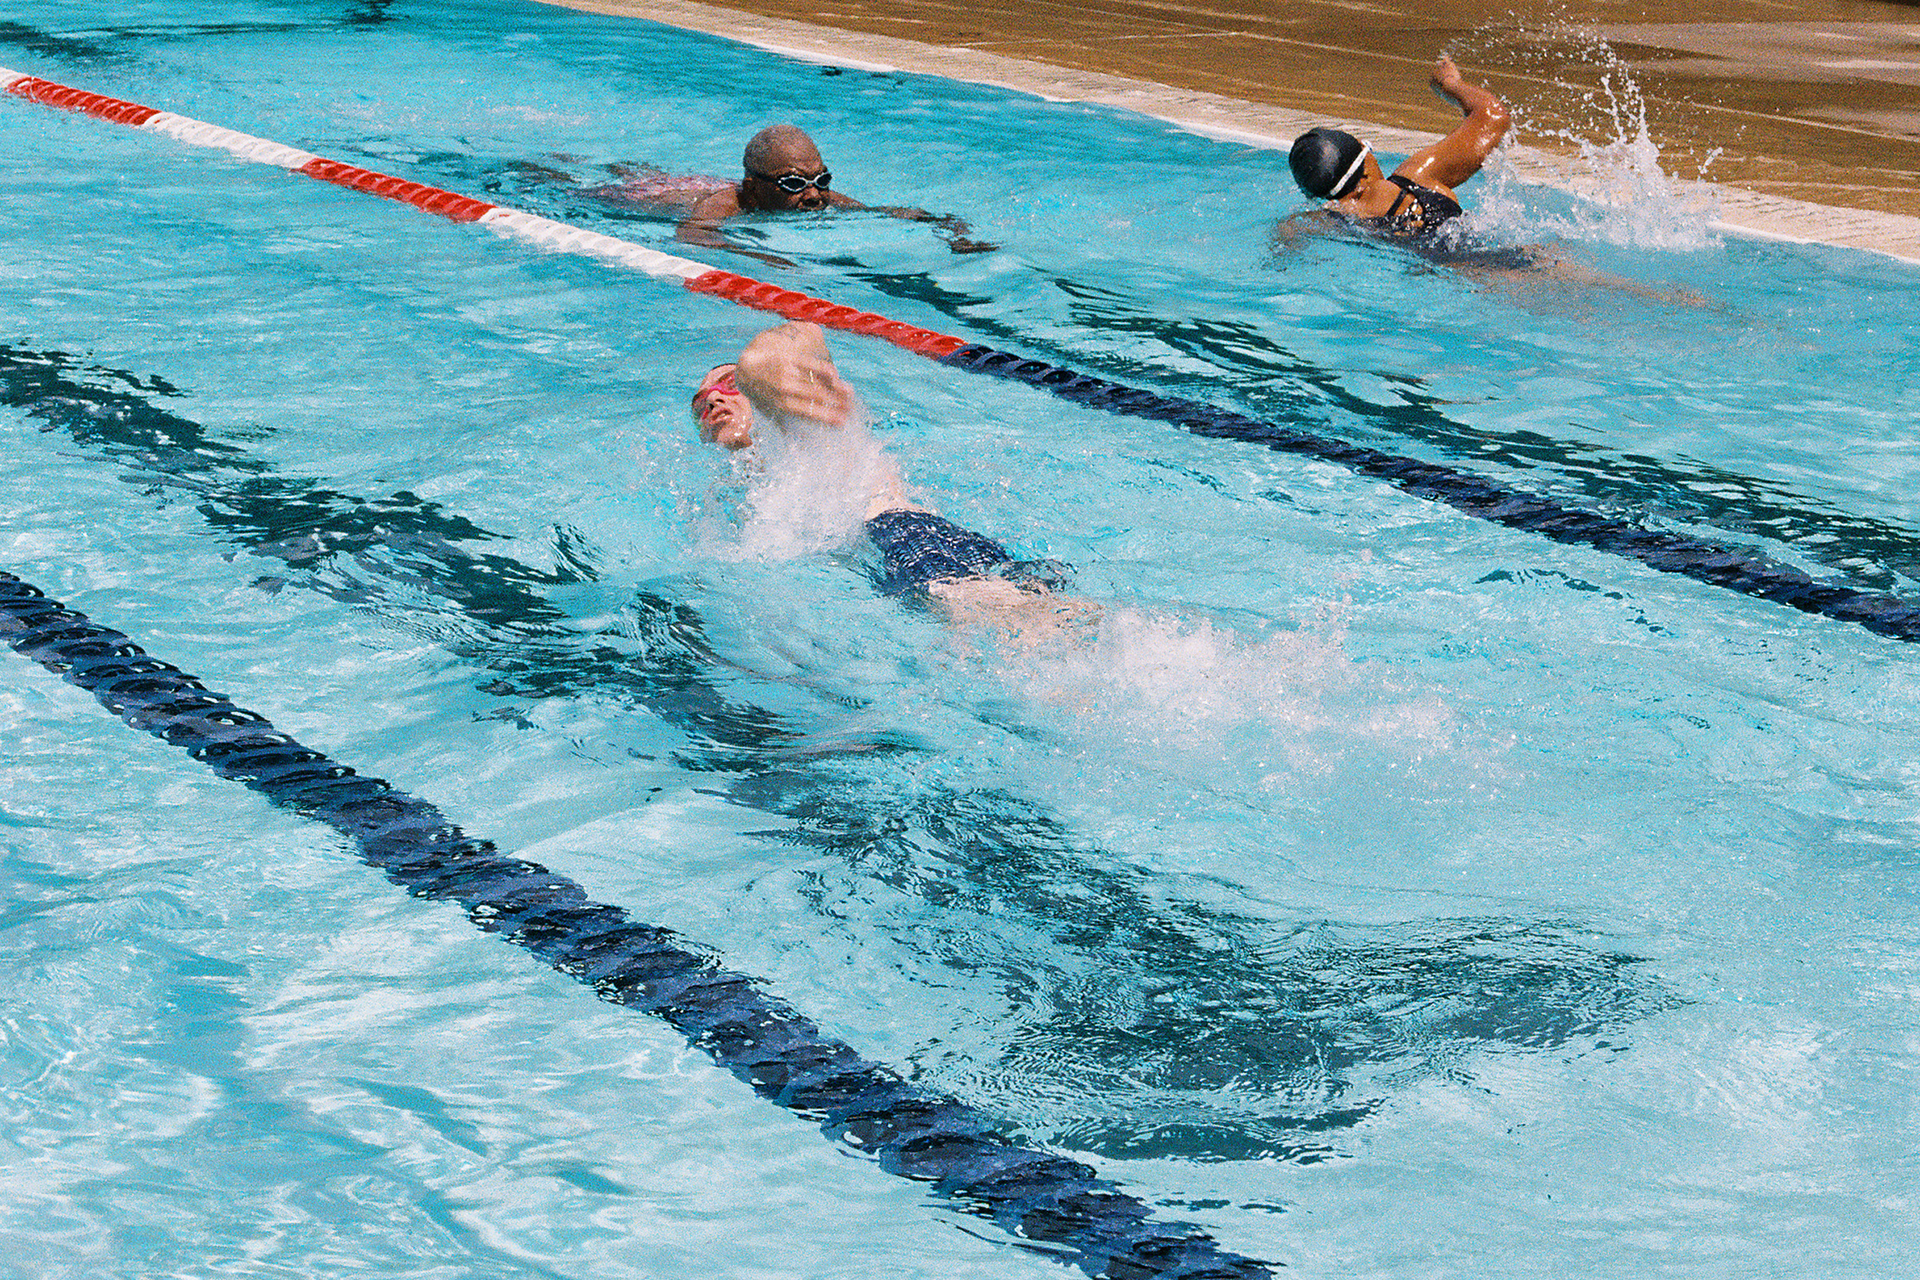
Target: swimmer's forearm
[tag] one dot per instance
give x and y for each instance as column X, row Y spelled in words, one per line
column 786, row 371
column 800, row 339
column 905, row 212
column 1469, row 97
column 1464, row 150
column 910, row 214
column 700, row 232
column 953, row 229
column 709, row 236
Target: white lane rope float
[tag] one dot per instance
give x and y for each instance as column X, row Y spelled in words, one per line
column 1735, row 568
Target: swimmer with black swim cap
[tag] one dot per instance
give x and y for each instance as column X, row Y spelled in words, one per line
column 1327, row 163
column 1418, row 199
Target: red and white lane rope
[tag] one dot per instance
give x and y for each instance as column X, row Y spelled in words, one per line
column 559, row 237
column 1735, row 568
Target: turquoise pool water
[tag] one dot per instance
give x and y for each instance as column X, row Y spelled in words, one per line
column 1388, row 892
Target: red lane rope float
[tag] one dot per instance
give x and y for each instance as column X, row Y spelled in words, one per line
column 800, row 306
column 448, row 204
column 544, row 232
column 35, row 89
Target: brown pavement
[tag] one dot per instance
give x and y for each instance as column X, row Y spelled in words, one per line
column 1805, row 113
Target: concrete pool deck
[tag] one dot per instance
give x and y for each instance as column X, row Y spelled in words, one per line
column 1804, row 116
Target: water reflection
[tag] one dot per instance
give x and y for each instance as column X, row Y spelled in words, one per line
column 1137, row 1018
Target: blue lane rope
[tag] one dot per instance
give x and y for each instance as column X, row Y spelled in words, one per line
column 1868, row 553
column 1038, row 1196
column 1697, row 558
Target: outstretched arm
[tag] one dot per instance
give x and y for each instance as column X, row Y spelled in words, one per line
column 955, row 232
column 786, row 372
column 1458, row 156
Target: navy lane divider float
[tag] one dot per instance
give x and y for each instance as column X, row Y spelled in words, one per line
column 1044, row 1199
column 1476, row 495
column 1734, row 568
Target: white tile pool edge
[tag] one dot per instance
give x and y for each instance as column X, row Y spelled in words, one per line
column 1741, row 212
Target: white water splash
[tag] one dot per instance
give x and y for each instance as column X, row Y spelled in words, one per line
column 1601, row 146
column 1153, row 687
column 808, row 488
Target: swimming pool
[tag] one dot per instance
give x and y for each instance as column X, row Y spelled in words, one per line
column 1385, row 891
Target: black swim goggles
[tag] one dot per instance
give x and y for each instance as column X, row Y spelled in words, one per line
column 793, row 184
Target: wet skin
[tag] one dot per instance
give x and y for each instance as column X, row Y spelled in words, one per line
column 722, row 410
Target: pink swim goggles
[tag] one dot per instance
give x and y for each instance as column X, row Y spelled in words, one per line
column 726, row 386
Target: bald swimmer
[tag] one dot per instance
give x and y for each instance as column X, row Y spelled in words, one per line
column 783, row 173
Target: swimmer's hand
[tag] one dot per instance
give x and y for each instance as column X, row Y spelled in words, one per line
column 959, row 236
column 1450, row 85
column 787, row 371
column 1293, row 232
column 1446, row 81
column 541, row 172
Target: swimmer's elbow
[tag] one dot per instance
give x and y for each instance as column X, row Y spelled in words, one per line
column 1497, row 117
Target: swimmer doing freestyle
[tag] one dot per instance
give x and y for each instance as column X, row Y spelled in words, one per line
column 1417, row 199
column 1415, row 207
column 785, row 382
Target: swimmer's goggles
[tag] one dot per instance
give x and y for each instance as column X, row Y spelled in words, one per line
column 1352, row 176
column 793, row 184
column 704, row 396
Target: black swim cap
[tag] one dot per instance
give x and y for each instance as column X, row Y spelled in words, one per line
column 1326, row 162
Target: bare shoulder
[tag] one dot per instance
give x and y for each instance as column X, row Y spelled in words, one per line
column 724, row 203
column 1427, row 168
column 840, row 200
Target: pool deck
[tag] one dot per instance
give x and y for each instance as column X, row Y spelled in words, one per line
column 1805, row 116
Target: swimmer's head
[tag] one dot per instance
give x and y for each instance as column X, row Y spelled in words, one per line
column 1328, row 163
column 722, row 411
column 783, row 170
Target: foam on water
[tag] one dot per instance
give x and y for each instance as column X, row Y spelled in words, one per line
column 1621, row 193
column 807, row 488
column 1148, row 684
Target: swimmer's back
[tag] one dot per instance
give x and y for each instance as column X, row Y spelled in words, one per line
column 675, row 191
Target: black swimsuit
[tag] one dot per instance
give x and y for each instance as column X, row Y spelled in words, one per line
column 919, row 548
column 1417, row 213
column 1416, row 222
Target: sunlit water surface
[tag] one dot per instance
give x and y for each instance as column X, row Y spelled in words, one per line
column 1389, row 892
